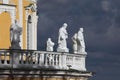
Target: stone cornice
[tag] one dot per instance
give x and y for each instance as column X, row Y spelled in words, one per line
column 7, row 4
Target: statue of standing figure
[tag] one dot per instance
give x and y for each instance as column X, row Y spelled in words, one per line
column 81, row 42
column 78, row 42
column 50, row 45
column 63, row 35
column 75, row 46
column 15, row 32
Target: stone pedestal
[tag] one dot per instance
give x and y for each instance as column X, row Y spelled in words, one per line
column 62, row 49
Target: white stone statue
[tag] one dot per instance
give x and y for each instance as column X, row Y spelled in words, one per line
column 75, row 46
column 63, row 35
column 81, row 43
column 50, row 45
column 15, row 32
column 78, row 42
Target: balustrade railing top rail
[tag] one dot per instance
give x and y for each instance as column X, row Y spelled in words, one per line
column 32, row 59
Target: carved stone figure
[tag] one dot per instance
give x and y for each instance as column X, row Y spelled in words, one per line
column 81, row 43
column 63, row 35
column 15, row 32
column 78, row 42
column 50, row 45
column 75, row 46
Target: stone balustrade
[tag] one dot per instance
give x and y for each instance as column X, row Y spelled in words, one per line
column 30, row 59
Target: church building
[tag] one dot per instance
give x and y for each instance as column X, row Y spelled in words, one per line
column 25, row 12
column 27, row 63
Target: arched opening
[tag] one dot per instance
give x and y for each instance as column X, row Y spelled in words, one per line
column 5, row 23
column 29, row 32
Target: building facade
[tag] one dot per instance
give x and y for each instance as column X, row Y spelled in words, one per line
column 25, row 11
column 28, row 63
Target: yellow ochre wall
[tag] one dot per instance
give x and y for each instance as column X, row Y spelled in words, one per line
column 4, row 30
column 5, row 23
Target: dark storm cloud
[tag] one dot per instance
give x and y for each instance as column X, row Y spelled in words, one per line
column 101, row 22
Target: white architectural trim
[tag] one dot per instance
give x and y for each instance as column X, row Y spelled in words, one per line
column 26, row 19
column 34, row 26
column 5, row 1
column 21, row 20
column 27, row 14
column 11, row 10
column 33, row 1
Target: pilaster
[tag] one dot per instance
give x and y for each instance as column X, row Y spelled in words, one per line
column 21, row 20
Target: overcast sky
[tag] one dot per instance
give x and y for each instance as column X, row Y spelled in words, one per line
column 101, row 22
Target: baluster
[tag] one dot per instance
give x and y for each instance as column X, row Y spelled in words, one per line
column 24, row 58
column 36, row 58
column 42, row 59
column 20, row 58
column 8, row 57
column 60, row 61
column 53, row 59
column 46, row 60
column 50, row 59
column 28, row 58
column 5, row 56
column 33, row 55
column 56, row 60
column 33, row 58
column 2, row 57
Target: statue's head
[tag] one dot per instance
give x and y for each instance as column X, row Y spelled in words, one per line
column 65, row 25
column 49, row 39
column 81, row 29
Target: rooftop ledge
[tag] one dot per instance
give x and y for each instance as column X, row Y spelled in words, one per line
column 33, row 59
column 46, row 73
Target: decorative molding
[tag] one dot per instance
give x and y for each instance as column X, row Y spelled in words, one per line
column 26, row 19
column 33, row 0
column 31, row 7
column 34, row 17
column 11, row 10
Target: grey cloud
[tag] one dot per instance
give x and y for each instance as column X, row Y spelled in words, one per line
column 105, row 5
column 104, row 64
